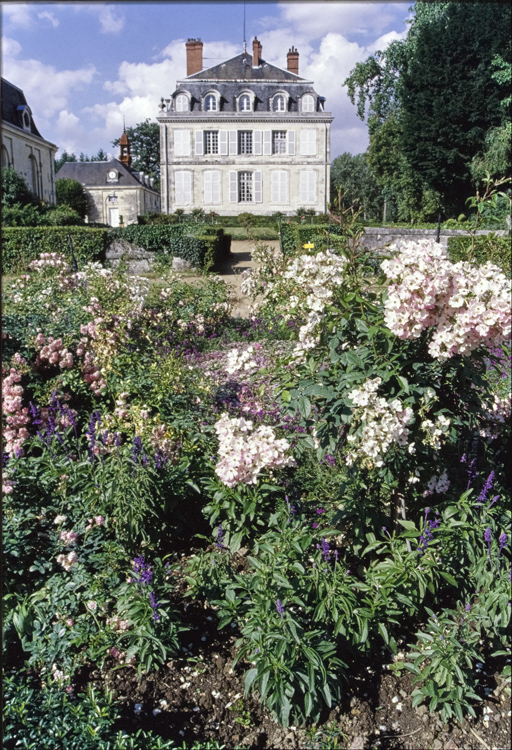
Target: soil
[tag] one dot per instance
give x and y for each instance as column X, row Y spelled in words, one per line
column 199, row 696
column 230, row 271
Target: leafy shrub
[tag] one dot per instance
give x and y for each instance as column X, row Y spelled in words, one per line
column 71, row 193
column 64, row 216
column 295, row 236
column 24, row 216
column 15, row 189
column 489, row 247
column 21, row 245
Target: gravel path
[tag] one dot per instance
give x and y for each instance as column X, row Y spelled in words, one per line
column 231, row 269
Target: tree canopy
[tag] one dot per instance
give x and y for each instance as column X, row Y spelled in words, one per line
column 71, row 193
column 145, row 148
column 434, row 105
column 352, row 175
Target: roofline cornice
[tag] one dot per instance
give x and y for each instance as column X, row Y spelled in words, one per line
column 20, row 131
column 237, row 117
column 188, row 81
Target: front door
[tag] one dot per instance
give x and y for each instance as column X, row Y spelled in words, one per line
column 113, row 217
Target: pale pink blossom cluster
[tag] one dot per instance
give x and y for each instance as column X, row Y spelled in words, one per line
column 53, row 352
column 244, row 454
column 16, row 415
column 50, row 260
column 468, row 306
column 244, row 360
column 496, row 415
column 435, row 431
column 116, row 623
column 381, row 422
column 437, row 484
column 68, row 537
column 67, row 561
column 93, row 376
column 96, row 521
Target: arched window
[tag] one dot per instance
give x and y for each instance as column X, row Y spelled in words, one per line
column 279, row 103
column 244, row 103
column 308, row 103
column 5, row 157
column 210, row 103
column 181, row 103
column 35, row 175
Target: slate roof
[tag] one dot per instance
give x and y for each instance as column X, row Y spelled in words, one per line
column 240, row 67
column 94, row 174
column 13, row 104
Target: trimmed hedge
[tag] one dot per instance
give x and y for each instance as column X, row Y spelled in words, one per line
column 496, row 249
column 21, row 245
column 199, row 244
column 294, row 236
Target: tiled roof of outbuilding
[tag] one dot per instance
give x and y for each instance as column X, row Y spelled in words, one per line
column 240, row 68
column 13, row 103
column 94, row 174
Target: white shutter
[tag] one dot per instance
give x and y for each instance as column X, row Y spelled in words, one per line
column 223, row 142
column 233, row 145
column 208, row 193
column 303, row 186
column 290, row 142
column 308, row 186
column 215, row 186
column 183, row 188
column 233, row 188
column 257, row 187
column 308, row 142
column 187, row 187
column 267, row 142
column 199, row 143
column 257, row 142
column 279, row 186
column 182, row 142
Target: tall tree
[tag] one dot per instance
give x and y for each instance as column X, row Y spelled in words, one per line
column 353, row 175
column 145, row 148
column 436, row 89
column 71, row 193
column 63, row 158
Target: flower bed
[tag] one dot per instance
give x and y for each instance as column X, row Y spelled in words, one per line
column 325, row 483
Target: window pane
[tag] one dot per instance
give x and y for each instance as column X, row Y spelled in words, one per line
column 245, row 103
column 244, row 186
column 308, row 103
column 279, row 141
column 245, row 141
column 210, row 103
column 279, row 103
column 181, row 103
column 211, row 141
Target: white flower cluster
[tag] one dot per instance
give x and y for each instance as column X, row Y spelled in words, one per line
column 438, row 485
column 243, row 360
column 434, row 431
column 468, row 306
column 382, row 424
column 244, row 454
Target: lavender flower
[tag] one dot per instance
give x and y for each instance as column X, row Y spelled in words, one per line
column 143, row 570
column 427, row 536
column 503, row 542
column 154, row 606
column 280, row 608
column 220, row 538
column 468, row 607
column 326, row 551
column 487, row 537
column 487, row 486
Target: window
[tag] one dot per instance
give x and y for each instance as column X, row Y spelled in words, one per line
column 211, row 141
column 279, row 186
column 308, row 142
column 211, row 192
column 308, row 103
column 244, row 103
column 210, row 103
column 245, row 141
column 279, row 103
column 181, row 103
column 182, row 142
column 244, row 187
column 279, row 141
column 183, row 188
column 35, row 175
column 308, row 186
column 5, row 157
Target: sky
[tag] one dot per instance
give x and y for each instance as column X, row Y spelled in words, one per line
column 85, row 66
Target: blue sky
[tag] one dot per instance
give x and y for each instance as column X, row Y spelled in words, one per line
column 85, row 66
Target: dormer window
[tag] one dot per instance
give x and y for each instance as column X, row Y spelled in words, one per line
column 279, row 103
column 211, row 103
column 181, row 103
column 244, row 103
column 308, row 103
column 25, row 116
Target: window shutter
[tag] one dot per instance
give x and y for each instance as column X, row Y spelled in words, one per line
column 279, row 186
column 199, row 143
column 258, row 193
column 223, row 142
column 233, row 145
column 267, row 142
column 215, row 186
column 308, row 142
column 283, row 188
column 257, row 142
column 303, row 186
column 290, row 140
column 182, row 142
column 208, row 193
column 274, row 187
column 187, row 188
column 308, row 186
column 233, row 188
column 180, row 187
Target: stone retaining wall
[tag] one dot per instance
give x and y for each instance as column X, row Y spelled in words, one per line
column 137, row 259
column 377, row 238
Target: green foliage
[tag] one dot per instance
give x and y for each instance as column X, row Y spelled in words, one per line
column 25, row 216
column 64, row 216
column 353, row 175
column 21, row 245
column 295, row 236
column 15, row 190
column 71, row 193
column 489, row 247
column 145, row 148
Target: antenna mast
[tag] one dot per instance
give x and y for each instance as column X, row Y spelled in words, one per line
column 245, row 46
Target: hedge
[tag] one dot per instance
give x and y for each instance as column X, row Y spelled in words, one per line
column 199, row 244
column 21, row 245
column 294, row 236
column 496, row 249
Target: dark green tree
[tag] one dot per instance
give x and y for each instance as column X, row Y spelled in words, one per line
column 145, row 148
column 63, row 158
column 15, row 190
column 355, row 178
column 71, row 193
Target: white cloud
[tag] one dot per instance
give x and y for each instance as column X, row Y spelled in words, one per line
column 385, row 40
column 46, row 15
column 315, row 19
column 18, row 14
column 46, row 88
column 111, row 22
column 10, row 47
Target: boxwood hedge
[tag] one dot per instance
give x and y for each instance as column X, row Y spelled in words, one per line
column 491, row 247
column 21, row 245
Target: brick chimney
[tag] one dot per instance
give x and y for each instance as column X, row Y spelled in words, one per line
column 292, row 59
column 256, row 52
column 194, row 56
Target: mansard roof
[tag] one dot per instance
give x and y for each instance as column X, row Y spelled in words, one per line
column 94, row 174
column 14, row 104
column 241, row 68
